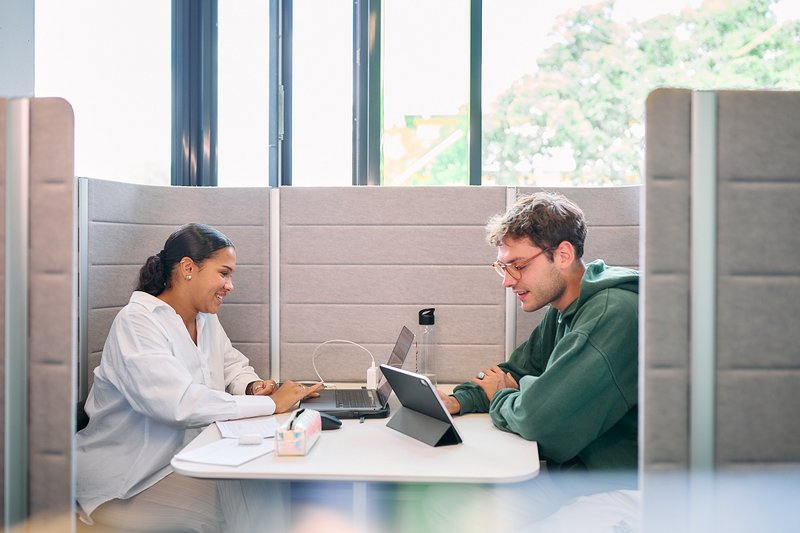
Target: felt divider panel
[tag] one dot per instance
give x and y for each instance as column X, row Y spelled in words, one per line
column 51, row 308
column 358, row 263
column 758, row 279
column 612, row 219
column 665, row 339
column 129, row 222
column 664, row 326
column 756, row 361
column 664, row 298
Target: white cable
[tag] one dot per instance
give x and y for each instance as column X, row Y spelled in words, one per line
column 314, row 355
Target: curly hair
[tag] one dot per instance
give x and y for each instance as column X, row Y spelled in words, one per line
column 546, row 218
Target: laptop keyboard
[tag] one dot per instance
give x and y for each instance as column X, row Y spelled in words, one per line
column 351, row 398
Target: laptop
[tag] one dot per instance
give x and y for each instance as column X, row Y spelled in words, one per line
column 363, row 402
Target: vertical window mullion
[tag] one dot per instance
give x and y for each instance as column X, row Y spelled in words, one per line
column 284, row 94
column 366, row 92
column 276, row 126
column 194, row 92
column 475, row 96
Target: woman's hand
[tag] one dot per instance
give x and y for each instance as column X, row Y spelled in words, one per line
column 263, row 387
column 289, row 393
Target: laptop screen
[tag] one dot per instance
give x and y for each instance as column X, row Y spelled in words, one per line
column 396, row 360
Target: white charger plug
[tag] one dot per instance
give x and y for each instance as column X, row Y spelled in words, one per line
column 372, row 377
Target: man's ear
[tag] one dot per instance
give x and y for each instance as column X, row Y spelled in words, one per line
column 564, row 255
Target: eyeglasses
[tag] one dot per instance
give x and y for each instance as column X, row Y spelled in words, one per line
column 514, row 269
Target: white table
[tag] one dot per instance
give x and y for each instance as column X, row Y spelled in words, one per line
column 370, row 451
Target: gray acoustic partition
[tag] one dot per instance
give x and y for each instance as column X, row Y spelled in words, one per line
column 126, row 223
column 52, row 309
column 758, row 279
column 664, row 339
column 721, row 385
column 612, row 218
column 357, row 263
column 39, row 310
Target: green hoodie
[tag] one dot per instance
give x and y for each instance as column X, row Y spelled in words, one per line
column 578, row 375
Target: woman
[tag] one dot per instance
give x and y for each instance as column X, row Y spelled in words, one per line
column 168, row 366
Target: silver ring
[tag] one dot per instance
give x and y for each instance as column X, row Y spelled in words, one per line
column 481, row 375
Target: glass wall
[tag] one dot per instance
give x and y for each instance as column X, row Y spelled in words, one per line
column 111, row 61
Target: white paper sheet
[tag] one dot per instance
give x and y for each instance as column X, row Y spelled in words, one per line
column 227, row 452
column 233, row 429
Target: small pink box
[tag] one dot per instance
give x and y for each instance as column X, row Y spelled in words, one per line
column 299, row 434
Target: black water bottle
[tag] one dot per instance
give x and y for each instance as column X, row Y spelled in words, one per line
column 426, row 345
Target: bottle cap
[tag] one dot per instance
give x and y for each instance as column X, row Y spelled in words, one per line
column 426, row 317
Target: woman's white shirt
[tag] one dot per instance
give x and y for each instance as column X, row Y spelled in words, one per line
column 152, row 384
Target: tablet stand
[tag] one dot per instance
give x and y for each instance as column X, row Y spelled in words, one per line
column 424, row 428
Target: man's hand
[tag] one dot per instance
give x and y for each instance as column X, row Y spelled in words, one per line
column 491, row 380
column 450, row 402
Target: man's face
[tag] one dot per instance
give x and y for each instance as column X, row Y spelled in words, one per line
column 539, row 283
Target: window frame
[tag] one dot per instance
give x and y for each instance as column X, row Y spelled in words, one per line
column 194, row 93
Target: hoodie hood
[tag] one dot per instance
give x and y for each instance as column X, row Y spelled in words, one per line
column 599, row 276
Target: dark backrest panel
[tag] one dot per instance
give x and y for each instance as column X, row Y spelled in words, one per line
column 612, row 218
column 357, row 263
column 127, row 223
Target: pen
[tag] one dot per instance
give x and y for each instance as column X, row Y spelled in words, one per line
column 291, row 422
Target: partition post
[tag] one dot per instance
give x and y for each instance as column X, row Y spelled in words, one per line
column 511, row 301
column 83, row 289
column 16, row 310
column 274, row 283
column 702, row 311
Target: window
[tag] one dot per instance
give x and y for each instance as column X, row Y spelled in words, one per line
column 111, row 61
column 425, row 67
column 565, row 87
column 243, row 93
column 563, row 84
column 322, row 92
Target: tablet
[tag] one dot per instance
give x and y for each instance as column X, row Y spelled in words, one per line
column 422, row 416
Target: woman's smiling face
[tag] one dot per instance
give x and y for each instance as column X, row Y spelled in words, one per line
column 213, row 280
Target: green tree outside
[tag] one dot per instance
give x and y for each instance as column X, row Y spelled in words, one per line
column 586, row 99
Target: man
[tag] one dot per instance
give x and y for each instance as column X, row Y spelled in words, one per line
column 572, row 386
